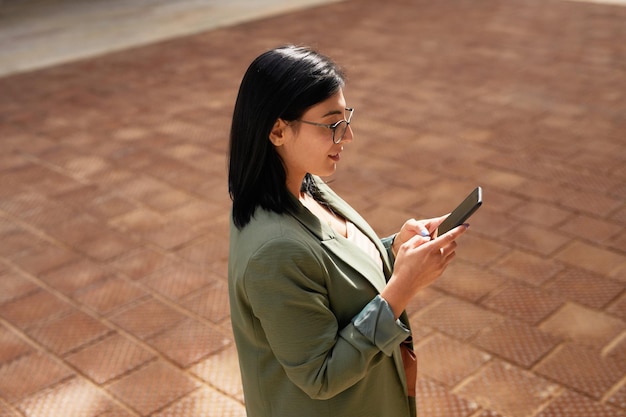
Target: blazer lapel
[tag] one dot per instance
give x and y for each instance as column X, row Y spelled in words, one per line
column 341, row 247
column 343, row 208
column 357, row 260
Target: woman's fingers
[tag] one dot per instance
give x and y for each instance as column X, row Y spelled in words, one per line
column 448, row 253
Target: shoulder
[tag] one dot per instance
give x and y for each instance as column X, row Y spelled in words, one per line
column 270, row 236
column 272, row 249
column 266, row 225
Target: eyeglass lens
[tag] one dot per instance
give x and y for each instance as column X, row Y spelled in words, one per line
column 340, row 131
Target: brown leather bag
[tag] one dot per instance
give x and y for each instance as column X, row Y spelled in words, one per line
column 409, row 359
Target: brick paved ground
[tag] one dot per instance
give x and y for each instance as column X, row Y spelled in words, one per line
column 114, row 208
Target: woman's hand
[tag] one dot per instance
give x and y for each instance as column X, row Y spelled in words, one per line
column 425, row 228
column 419, row 262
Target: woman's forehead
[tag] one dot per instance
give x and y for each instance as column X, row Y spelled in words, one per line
column 335, row 104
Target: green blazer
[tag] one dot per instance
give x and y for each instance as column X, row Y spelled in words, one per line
column 313, row 338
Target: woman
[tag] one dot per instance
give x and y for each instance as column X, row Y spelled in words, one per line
column 317, row 299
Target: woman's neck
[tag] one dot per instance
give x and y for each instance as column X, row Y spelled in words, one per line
column 295, row 186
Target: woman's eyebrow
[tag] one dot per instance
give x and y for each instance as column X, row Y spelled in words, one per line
column 333, row 112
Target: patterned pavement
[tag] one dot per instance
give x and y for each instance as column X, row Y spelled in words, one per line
column 114, row 207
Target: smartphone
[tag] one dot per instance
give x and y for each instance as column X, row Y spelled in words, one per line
column 464, row 210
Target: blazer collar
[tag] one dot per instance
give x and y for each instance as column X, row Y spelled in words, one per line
column 342, row 248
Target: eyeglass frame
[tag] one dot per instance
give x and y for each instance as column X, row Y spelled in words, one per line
column 333, row 126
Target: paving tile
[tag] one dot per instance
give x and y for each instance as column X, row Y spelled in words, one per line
column 617, row 348
column 33, row 308
column 97, row 202
column 14, row 284
column 467, row 281
column 147, row 318
column 210, row 247
column 459, row 319
column 619, row 273
column 508, row 390
column 17, row 240
column 436, row 401
column 583, row 325
column 221, row 370
column 618, row 242
column 420, row 332
column 542, row 191
column 584, row 287
column 493, row 223
column 618, row 308
column 109, row 358
column 110, row 179
column 591, row 258
column 107, row 245
column 68, row 332
column 582, row 369
column 22, row 203
column 220, row 268
column 29, row 374
column 74, row 398
column 140, row 186
column 479, row 250
column 516, row 342
column 44, row 257
column 75, row 276
column 172, row 235
column 524, row 302
column 138, row 221
column 76, row 230
column 590, row 229
column 378, row 218
column 43, row 179
column 488, row 413
column 211, row 302
column 196, row 212
column 5, row 411
column 494, row 179
column 167, row 199
column 73, row 163
column 528, row 268
column 592, row 203
column 12, row 346
column 542, row 214
column 448, row 361
column 571, row 404
column 204, row 402
column 538, row 239
column 176, row 283
column 110, row 294
column 618, row 398
column 141, row 262
column 619, row 215
column 152, row 387
column 189, row 342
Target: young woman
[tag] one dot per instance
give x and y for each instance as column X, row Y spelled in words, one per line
column 317, row 299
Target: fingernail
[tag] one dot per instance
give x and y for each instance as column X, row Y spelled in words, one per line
column 424, row 233
column 466, row 225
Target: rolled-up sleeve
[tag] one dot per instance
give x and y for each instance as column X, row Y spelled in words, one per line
column 388, row 244
column 377, row 323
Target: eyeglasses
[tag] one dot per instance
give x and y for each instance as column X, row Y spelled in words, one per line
column 339, row 128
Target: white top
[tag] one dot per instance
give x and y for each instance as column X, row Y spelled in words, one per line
column 359, row 238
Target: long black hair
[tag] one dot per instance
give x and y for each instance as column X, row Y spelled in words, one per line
column 279, row 84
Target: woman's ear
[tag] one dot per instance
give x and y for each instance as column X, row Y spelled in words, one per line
column 278, row 134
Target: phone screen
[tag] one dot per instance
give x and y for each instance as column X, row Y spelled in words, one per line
column 464, row 210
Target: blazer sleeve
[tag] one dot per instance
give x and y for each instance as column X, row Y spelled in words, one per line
column 388, row 243
column 285, row 286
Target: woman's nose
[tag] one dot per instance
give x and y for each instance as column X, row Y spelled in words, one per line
column 349, row 135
